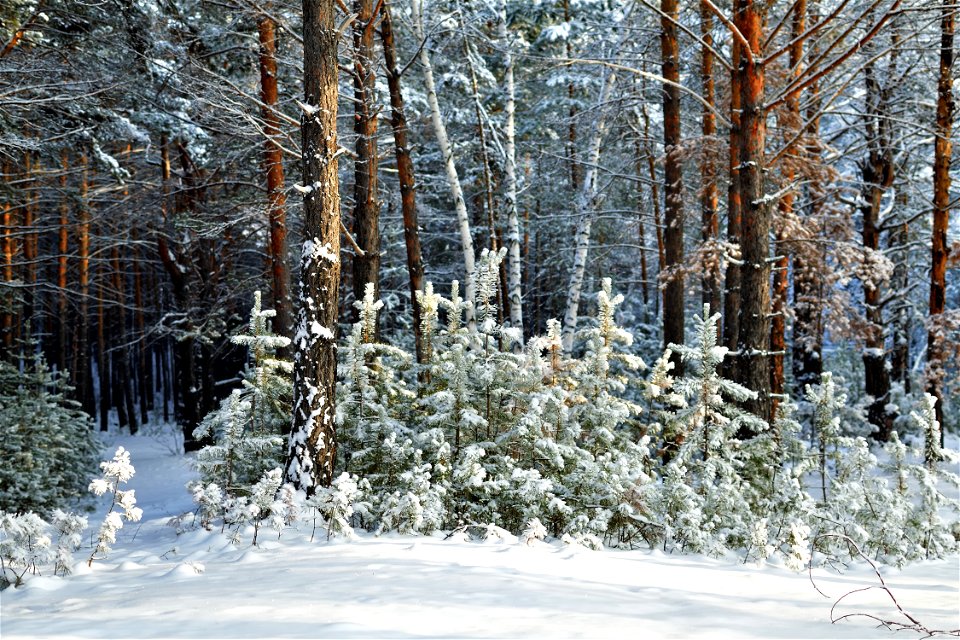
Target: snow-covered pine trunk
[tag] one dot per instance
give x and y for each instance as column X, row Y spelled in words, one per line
column 453, row 178
column 585, row 210
column 514, row 270
column 312, row 448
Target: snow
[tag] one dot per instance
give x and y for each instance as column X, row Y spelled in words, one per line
column 196, row 584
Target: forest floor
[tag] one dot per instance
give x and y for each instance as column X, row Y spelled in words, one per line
column 159, row 583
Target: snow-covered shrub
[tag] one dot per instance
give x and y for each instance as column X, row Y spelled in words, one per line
column 26, row 545
column 250, row 426
column 115, row 472
column 704, row 428
column 46, row 442
column 335, row 505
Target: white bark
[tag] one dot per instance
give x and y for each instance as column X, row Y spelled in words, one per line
column 514, row 274
column 453, row 178
column 585, row 204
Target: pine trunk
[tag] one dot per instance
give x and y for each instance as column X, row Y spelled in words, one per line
column 754, row 339
column 673, row 309
column 408, row 193
column 366, row 208
column 273, row 168
column 313, row 445
column 940, row 250
column 709, row 200
column 731, row 286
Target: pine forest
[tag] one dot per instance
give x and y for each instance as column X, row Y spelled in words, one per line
column 630, row 276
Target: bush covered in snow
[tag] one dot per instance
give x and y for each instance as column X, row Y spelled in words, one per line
column 488, row 435
column 46, row 442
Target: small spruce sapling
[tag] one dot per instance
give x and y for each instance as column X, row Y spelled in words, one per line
column 115, row 472
column 250, row 426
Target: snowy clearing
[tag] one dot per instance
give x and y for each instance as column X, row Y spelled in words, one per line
column 158, row 584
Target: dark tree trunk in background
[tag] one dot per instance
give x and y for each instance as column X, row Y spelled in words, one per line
column 366, row 208
column 408, row 195
column 313, row 445
column 673, row 311
column 877, row 173
column 709, row 220
column 731, row 286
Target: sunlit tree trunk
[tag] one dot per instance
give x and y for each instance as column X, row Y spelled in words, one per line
column 273, row 168
column 313, row 445
column 790, row 126
column 453, row 178
column 940, row 250
column 514, row 269
column 754, row 339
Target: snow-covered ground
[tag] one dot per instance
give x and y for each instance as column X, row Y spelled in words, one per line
column 161, row 584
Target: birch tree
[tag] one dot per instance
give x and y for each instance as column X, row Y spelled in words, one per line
column 449, row 163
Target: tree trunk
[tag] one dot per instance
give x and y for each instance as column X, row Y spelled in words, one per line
column 754, row 340
column 408, row 194
column 585, row 206
column 709, row 221
column 877, row 173
column 673, row 309
column 453, row 178
column 82, row 381
column 273, row 168
column 366, row 208
column 940, row 250
column 313, row 445
column 514, row 268
column 809, row 259
column 63, row 236
column 790, row 126
column 731, row 286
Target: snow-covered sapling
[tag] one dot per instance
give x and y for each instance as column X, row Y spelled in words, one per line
column 116, row 471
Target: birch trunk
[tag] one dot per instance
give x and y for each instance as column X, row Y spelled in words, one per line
column 453, row 178
column 586, row 199
column 514, row 270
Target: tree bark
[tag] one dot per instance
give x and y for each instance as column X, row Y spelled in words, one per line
column 82, row 381
column 940, row 250
column 731, row 286
column 709, row 220
column 754, row 340
column 453, row 178
column 313, row 445
column 790, row 126
column 273, row 168
column 877, row 173
column 514, row 268
column 673, row 293
column 585, row 206
column 405, row 170
column 366, row 208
